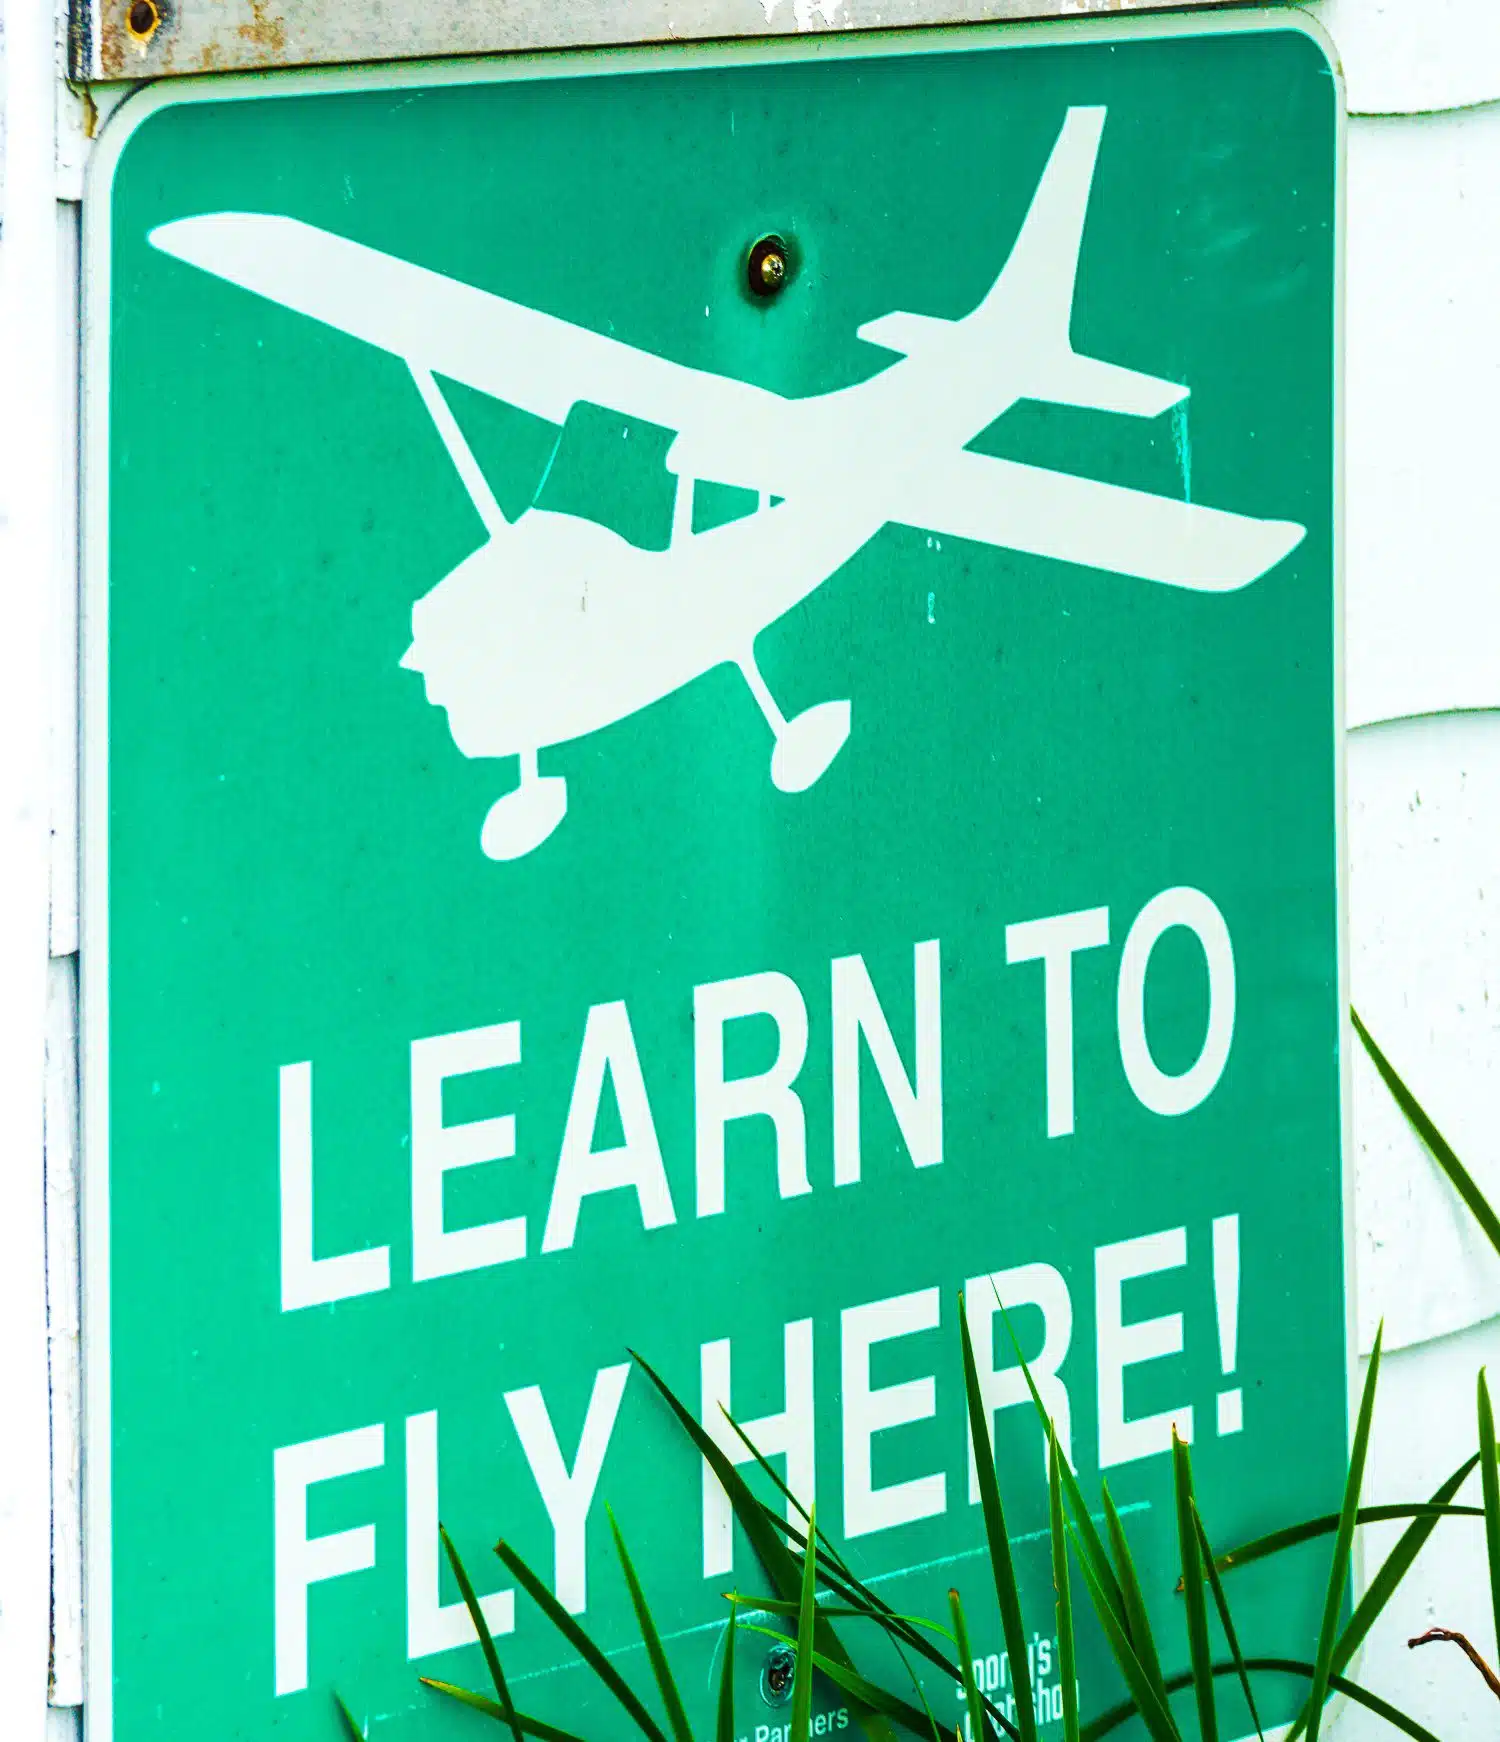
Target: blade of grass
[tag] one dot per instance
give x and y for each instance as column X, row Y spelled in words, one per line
column 830, row 1551
column 770, row 1550
column 870, row 1695
column 1343, row 1543
column 932, row 1723
column 1067, row 1657
column 1089, row 1544
column 725, row 1729
column 1489, row 1476
column 776, row 1606
column 978, row 1729
column 1154, row 1711
column 1437, row 1145
column 671, row 1700
column 1293, row 1535
column 1393, row 1569
column 902, row 1630
column 580, row 1641
column 807, row 1611
column 1136, row 1621
column 1003, row 1567
column 482, row 1628
column 1191, row 1553
column 1396, row 1565
column 351, row 1729
column 482, row 1703
column 773, row 1554
column 1101, row 1726
column 866, row 1604
column 1226, row 1620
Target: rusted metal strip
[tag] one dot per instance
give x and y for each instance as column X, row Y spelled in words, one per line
column 145, row 39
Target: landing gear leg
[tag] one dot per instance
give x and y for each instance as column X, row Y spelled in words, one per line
column 518, row 823
column 806, row 745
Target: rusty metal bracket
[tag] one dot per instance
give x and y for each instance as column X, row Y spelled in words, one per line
column 147, row 39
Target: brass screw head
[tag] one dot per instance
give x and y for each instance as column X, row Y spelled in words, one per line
column 768, row 269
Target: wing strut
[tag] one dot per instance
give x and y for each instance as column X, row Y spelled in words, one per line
column 459, row 451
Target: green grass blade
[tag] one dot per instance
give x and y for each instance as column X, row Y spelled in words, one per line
column 902, row 1630
column 1089, row 1546
column 1343, row 1543
column 1190, row 1550
column 580, row 1641
column 776, row 1606
column 1136, row 1621
column 1154, row 1711
column 1293, row 1535
column 869, row 1605
column 829, row 1549
column 1396, row 1565
column 481, row 1627
column 1438, row 1146
column 1067, row 1653
column 901, row 1636
column 911, row 1674
column 807, row 1614
column 1393, row 1569
column 780, row 1566
column 1489, row 1476
column 1226, row 1620
column 1101, row 1726
column 978, row 1729
column 351, row 1729
column 666, row 1685
column 482, row 1703
column 1001, row 1563
column 725, row 1729
column 770, row 1550
column 870, row 1696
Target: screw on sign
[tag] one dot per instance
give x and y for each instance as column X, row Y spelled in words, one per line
column 141, row 20
column 767, row 268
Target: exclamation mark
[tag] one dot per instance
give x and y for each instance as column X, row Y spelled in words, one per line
column 1227, row 1306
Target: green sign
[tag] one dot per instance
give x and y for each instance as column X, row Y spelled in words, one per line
column 712, row 716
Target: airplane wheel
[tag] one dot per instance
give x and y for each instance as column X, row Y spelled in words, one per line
column 808, row 744
column 518, row 823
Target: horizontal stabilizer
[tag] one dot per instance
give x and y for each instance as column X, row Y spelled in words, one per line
column 1081, row 520
column 1074, row 380
column 905, row 333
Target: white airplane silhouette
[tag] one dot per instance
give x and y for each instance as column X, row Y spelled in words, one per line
column 556, row 626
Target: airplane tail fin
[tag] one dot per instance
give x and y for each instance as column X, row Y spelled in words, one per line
column 1028, row 309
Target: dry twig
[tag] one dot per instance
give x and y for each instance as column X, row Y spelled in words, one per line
column 1492, row 1681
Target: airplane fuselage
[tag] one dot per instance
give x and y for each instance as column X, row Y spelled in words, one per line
column 557, row 626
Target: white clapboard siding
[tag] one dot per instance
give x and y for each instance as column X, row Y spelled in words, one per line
column 1423, row 379
column 1423, row 638
column 1404, row 56
column 1424, row 885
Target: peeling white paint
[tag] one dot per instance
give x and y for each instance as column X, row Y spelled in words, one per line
column 805, row 12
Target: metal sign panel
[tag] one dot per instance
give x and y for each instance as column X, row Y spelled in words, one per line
column 148, row 39
column 693, row 747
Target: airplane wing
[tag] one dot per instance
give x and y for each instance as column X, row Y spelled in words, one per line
column 1079, row 520
column 530, row 359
